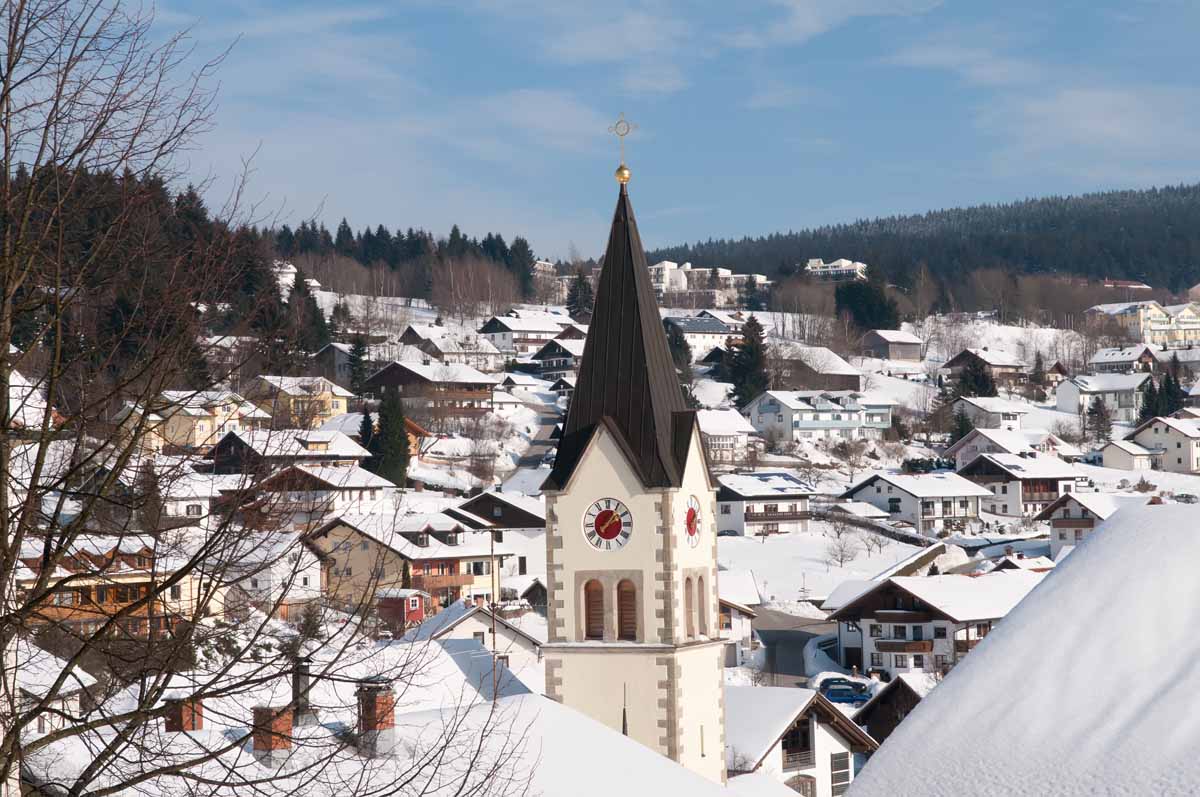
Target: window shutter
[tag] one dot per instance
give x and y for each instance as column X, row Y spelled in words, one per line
column 593, row 598
column 626, row 611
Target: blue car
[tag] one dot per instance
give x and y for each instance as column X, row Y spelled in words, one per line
column 844, row 694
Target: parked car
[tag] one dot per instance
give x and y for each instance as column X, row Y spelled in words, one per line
column 844, row 694
column 836, row 683
column 727, row 533
column 1186, row 498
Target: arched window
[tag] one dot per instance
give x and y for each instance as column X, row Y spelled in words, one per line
column 701, row 607
column 689, row 607
column 593, row 610
column 626, row 611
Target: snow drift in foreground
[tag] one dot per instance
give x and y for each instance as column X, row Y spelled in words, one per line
column 1087, row 687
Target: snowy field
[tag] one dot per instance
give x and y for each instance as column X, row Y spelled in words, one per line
column 795, row 567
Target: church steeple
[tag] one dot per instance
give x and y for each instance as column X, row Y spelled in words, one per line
column 626, row 378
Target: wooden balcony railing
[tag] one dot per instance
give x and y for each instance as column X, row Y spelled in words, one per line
column 799, row 759
column 432, row 582
column 904, row 645
column 772, row 517
column 965, row 645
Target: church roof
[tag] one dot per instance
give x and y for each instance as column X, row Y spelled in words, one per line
column 626, row 378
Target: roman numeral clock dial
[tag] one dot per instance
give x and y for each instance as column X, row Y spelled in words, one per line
column 607, row 524
column 693, row 522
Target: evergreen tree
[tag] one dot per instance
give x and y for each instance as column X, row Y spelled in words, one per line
column 358, row 364
column 366, row 436
column 1150, row 402
column 580, row 298
column 681, row 355
column 1171, row 395
column 390, row 444
column 867, row 305
column 975, row 380
column 750, row 296
column 520, row 261
column 406, row 576
column 344, row 243
column 311, row 331
column 748, row 364
column 1038, row 375
column 1099, row 421
column 961, row 427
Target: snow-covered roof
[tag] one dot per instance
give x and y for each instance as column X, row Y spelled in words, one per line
column 530, row 625
column 389, row 529
column 724, row 422
column 763, row 484
column 1037, row 466
column 962, row 598
column 1102, row 505
column 738, row 586
column 446, row 373
column 527, row 480
column 1013, row 441
column 845, row 592
column 1074, row 711
column 997, row 358
column 756, row 717
column 305, row 385
column 1116, row 308
column 924, row 485
column 896, row 336
column 697, row 325
column 818, row 358
column 37, row 671
column 199, row 402
column 537, row 323
column 1122, row 354
column 572, row 346
column 1109, row 383
column 344, row 478
column 534, row 505
column 1185, row 427
column 1130, row 447
column 859, row 509
column 921, row 683
column 994, row 404
column 808, row 399
column 301, row 443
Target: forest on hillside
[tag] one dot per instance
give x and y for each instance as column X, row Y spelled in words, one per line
column 1150, row 235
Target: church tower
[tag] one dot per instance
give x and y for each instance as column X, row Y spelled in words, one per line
column 630, row 534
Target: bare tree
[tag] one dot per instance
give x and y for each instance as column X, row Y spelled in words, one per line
column 840, row 551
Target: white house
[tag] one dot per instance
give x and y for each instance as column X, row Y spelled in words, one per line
column 1126, row 455
column 926, row 624
column 1024, row 484
column 1121, row 393
column 278, row 570
column 991, row 412
column 1142, row 357
column 1075, row 515
column 1174, row 443
column 796, row 415
column 314, row 493
column 839, row 270
column 515, row 640
column 727, row 435
column 1007, row 441
column 522, row 336
column 931, row 502
column 37, row 673
column 762, row 502
column 702, row 333
column 794, row 736
column 738, row 595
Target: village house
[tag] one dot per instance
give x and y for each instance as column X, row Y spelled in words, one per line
column 441, row 554
column 1122, row 394
column 762, row 502
column 1125, row 359
column 931, row 502
column 738, row 598
column 840, row 270
column 36, row 674
column 563, row 387
column 332, row 361
column 888, row 707
column 500, row 511
column 798, row 415
column 891, row 344
column 350, row 424
column 261, row 452
column 573, row 331
column 1150, row 322
column 1056, row 373
column 991, row 412
column 522, row 336
column 299, row 401
column 303, row 494
column 1005, row 369
column 1126, row 455
column 514, row 638
column 1008, row 441
column 188, row 420
column 1024, row 484
column 734, row 320
column 559, row 358
column 438, row 392
column 926, row 624
column 400, row 609
column 1173, row 443
column 795, row 366
column 702, row 333
column 794, row 736
column 472, row 350
column 1075, row 515
column 280, row 572
column 728, row 436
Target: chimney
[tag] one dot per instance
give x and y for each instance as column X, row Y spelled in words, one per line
column 418, row 486
column 376, row 715
column 303, row 712
column 1008, row 550
column 271, row 734
column 184, row 714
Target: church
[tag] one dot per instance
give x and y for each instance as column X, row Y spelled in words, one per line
column 634, row 638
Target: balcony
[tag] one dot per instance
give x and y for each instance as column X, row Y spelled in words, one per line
column 904, row 645
column 798, row 759
column 432, row 582
column 965, row 645
column 774, row 517
column 902, row 616
column 1073, row 522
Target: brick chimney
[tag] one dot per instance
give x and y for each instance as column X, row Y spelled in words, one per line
column 184, row 714
column 303, row 711
column 272, row 734
column 376, row 715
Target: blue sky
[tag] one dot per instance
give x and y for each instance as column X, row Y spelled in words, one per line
column 753, row 116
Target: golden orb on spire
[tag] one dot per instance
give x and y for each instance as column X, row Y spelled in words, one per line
column 621, row 129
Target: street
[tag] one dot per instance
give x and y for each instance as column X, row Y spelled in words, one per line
column 784, row 636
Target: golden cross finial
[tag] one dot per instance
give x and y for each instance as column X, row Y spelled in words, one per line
column 620, row 129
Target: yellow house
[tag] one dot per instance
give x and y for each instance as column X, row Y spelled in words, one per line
column 299, row 402
column 191, row 420
column 364, row 553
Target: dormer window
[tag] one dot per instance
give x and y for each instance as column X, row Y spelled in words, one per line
column 421, row 539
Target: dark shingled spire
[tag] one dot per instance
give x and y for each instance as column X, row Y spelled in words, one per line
column 627, row 379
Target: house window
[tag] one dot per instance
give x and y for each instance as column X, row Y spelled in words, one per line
column 940, row 661
column 797, row 746
column 502, row 660
column 724, row 509
column 899, row 632
column 347, row 571
column 193, row 510
column 479, row 637
column 918, row 633
column 497, row 511
column 304, row 581
column 254, row 583
column 939, row 632
column 414, row 603
column 900, row 661
column 919, row 661
column 876, row 659
column 522, row 565
column 364, row 545
column 839, row 773
column 626, row 611
column 593, row 609
column 876, row 630
column 176, row 592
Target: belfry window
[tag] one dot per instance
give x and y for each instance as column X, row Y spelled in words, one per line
column 627, row 611
column 701, row 607
column 689, row 606
column 593, row 610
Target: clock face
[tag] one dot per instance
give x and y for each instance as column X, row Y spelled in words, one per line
column 607, row 524
column 693, row 523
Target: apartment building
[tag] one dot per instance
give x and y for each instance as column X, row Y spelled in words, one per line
column 809, row 415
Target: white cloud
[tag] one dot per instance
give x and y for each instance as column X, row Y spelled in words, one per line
column 977, row 65
column 803, row 20
column 775, row 95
